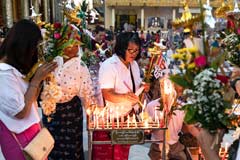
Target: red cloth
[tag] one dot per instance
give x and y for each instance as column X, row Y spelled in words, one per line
column 107, row 151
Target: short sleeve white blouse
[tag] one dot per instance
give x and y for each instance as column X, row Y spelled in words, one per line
column 74, row 79
column 114, row 74
column 13, row 89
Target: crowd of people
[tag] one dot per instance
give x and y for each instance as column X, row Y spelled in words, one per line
column 123, row 57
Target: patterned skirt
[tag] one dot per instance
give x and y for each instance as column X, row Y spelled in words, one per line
column 66, row 127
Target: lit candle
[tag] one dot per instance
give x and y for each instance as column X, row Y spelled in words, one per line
column 146, row 124
column 128, row 119
column 94, row 121
column 144, row 106
column 117, row 117
column 112, row 119
column 134, row 120
column 122, row 121
column 225, row 151
column 161, row 114
column 97, row 121
column 103, row 120
column 110, row 115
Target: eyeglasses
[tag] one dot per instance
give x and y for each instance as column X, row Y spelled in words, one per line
column 132, row 51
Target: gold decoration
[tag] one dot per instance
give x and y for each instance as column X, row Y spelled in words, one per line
column 41, row 60
column 235, row 14
column 71, row 13
column 36, row 17
column 33, row 70
column 187, row 19
column 221, row 12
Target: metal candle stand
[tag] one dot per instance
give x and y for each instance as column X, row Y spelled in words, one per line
column 126, row 133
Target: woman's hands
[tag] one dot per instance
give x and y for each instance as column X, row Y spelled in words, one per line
column 33, row 89
column 42, row 72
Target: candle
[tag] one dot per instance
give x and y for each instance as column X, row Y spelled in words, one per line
column 134, row 120
column 94, row 121
column 103, row 121
column 144, row 106
column 161, row 119
column 122, row 121
column 161, row 114
column 112, row 119
column 117, row 118
column 97, row 121
column 128, row 121
column 122, row 118
column 146, row 124
column 225, row 151
column 155, row 114
column 107, row 116
column 158, row 122
column 110, row 115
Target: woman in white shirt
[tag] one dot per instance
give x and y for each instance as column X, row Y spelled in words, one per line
column 18, row 107
column 119, row 78
column 66, row 123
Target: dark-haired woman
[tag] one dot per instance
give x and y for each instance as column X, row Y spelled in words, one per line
column 119, row 78
column 18, row 105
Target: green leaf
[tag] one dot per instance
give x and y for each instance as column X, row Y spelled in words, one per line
column 190, row 114
column 180, row 80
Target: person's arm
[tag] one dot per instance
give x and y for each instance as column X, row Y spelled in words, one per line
column 112, row 96
column 33, row 88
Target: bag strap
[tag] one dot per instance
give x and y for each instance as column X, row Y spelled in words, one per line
column 132, row 78
column 15, row 137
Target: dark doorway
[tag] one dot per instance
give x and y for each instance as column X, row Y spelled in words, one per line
column 122, row 19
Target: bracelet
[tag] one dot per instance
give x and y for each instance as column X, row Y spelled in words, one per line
column 233, row 83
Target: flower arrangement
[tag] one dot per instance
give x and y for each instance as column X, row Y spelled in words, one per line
column 206, row 89
column 207, row 106
column 232, row 43
column 232, row 36
column 50, row 95
column 58, row 37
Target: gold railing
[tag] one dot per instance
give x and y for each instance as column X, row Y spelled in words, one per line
column 160, row 3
